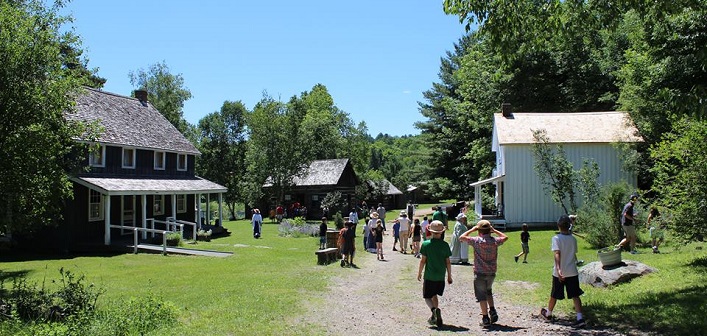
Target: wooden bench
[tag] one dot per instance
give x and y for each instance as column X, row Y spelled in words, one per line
column 327, row 255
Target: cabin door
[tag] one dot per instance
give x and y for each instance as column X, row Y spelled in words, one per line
column 128, row 213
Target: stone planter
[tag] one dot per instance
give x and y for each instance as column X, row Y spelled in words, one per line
column 609, row 256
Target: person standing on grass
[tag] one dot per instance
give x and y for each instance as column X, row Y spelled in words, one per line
column 410, row 210
column 525, row 249
column 655, row 226
column 460, row 250
column 627, row 223
column 435, row 262
column 565, row 275
column 322, row 234
column 378, row 234
column 257, row 223
column 485, row 258
column 353, row 216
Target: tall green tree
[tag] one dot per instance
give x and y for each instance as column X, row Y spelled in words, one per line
column 36, row 139
column 272, row 156
column 165, row 91
column 223, row 146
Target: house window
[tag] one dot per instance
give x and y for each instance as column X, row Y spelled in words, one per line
column 129, row 158
column 181, row 162
column 181, row 203
column 95, row 205
column 159, row 160
column 96, row 156
column 158, row 206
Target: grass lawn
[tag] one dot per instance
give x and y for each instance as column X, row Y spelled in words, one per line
column 260, row 289
column 671, row 301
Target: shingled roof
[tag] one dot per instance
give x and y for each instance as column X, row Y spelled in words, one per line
column 127, row 122
column 570, row 127
column 322, row 172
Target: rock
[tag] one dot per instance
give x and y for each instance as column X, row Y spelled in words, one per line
column 599, row 276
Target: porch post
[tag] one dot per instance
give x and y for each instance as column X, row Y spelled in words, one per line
column 477, row 200
column 144, row 215
column 197, row 201
column 208, row 209
column 106, row 217
column 220, row 209
column 174, row 207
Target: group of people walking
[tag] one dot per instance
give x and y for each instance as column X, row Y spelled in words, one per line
column 436, row 264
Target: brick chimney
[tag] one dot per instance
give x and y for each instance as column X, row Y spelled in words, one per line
column 506, row 110
column 141, row 95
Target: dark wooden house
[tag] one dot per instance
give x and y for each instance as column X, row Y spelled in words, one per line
column 141, row 167
column 321, row 178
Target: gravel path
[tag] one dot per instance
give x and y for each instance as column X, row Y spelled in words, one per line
column 385, row 298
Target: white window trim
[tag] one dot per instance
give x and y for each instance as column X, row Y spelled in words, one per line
column 186, row 161
column 154, row 202
column 100, row 206
column 123, row 158
column 164, row 160
column 102, row 149
column 181, row 202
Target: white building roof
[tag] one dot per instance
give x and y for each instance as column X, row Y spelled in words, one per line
column 568, row 127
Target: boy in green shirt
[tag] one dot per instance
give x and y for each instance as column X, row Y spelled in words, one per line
column 435, row 261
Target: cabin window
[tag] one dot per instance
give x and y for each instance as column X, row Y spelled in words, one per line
column 181, row 203
column 95, row 205
column 97, row 156
column 158, row 206
column 159, row 160
column 181, row 162
column 129, row 158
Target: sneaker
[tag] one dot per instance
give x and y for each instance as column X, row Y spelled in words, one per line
column 544, row 315
column 438, row 317
column 343, row 263
column 516, row 258
column 432, row 320
column 525, row 262
column 494, row 315
column 579, row 323
column 656, row 251
column 485, row 321
column 394, row 249
column 634, row 252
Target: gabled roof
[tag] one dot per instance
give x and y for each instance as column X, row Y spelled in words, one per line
column 127, row 122
column 322, row 172
column 392, row 190
column 569, row 127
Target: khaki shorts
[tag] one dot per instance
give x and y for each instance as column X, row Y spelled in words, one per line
column 629, row 230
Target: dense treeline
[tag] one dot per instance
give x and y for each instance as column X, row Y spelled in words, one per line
column 645, row 57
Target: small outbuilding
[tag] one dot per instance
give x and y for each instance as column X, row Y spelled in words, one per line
column 519, row 194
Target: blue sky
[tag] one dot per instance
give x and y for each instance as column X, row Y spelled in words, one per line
column 375, row 57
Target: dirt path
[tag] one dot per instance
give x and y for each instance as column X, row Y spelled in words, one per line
column 385, row 298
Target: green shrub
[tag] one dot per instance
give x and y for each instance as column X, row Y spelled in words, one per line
column 339, row 220
column 29, row 302
column 173, row 238
column 599, row 221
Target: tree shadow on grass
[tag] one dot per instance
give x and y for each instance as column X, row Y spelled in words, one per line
column 699, row 264
column 675, row 313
